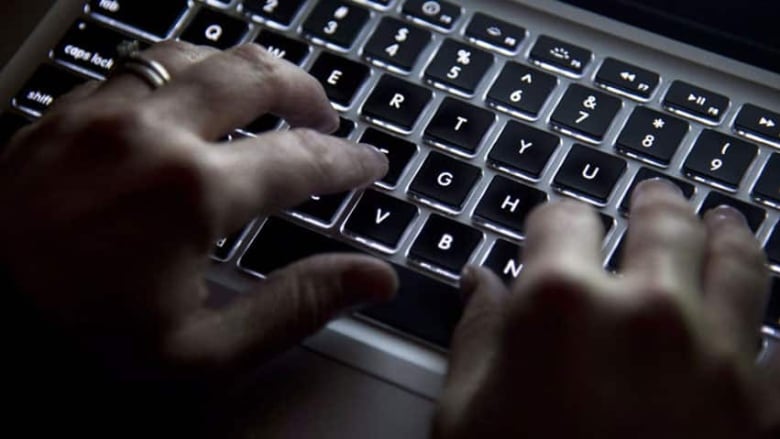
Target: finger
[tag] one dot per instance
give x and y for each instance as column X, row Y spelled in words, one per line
column 736, row 281
column 292, row 304
column 78, row 94
column 282, row 169
column 233, row 88
column 665, row 242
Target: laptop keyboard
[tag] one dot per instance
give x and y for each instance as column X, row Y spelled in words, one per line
column 462, row 103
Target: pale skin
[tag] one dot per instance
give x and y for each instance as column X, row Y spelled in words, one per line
column 120, row 192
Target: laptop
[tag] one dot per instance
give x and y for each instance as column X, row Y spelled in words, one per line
column 485, row 110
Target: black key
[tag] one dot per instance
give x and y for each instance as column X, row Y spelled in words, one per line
column 396, row 44
column 150, row 16
column 89, row 46
column 459, row 126
column 652, row 136
column 423, row 307
column 444, row 182
column 627, row 79
column 439, row 14
column 755, row 215
column 336, row 22
column 322, row 208
column 278, row 11
column 561, row 56
column 696, row 102
column 381, row 219
column 346, row 127
column 773, row 246
column 507, row 204
column 589, row 173
column 10, row 123
column 759, row 124
column 649, row 174
column 458, row 67
column 767, row 188
column 607, row 221
column 215, row 29
column 225, row 248
column 396, row 103
column 379, row 3
column 720, row 159
column 523, row 150
column 43, row 88
column 445, row 244
column 772, row 317
column 505, row 260
column 585, row 113
column 494, row 33
column 262, row 124
column 614, row 264
column 341, row 77
column 399, row 153
column 521, row 90
column 283, row 47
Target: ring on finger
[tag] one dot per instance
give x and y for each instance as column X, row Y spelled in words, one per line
column 148, row 70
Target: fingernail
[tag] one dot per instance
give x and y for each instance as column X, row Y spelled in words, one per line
column 657, row 184
column 725, row 215
column 468, row 283
column 376, row 153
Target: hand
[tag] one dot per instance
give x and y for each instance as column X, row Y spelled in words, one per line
column 115, row 198
column 665, row 349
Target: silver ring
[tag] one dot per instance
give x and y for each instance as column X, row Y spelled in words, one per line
column 150, row 71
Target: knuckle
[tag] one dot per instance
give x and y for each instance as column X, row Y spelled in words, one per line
column 174, row 46
column 257, row 57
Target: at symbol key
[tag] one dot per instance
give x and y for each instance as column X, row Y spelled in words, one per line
column 585, row 113
column 380, row 219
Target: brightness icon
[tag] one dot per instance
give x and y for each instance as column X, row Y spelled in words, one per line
column 659, row 123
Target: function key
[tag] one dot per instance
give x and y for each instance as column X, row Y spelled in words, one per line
column 589, row 174
column 754, row 215
column 560, row 56
column 43, row 88
column 458, row 67
column 627, row 79
column 720, row 160
column 396, row 104
column 505, row 259
column 225, row 248
column 215, row 29
column 399, row 154
column 336, row 22
column 767, row 188
column 459, row 127
column 585, row 113
column 493, row 33
column 90, row 47
column 444, row 244
column 322, row 209
column 341, row 77
column 696, row 103
column 396, row 44
column 283, row 47
column 650, row 174
column 652, row 136
column 10, row 123
column 439, row 14
column 523, row 150
column 521, row 91
column 150, row 16
column 506, row 205
column 380, row 219
column 758, row 124
column 278, row 11
column 444, row 182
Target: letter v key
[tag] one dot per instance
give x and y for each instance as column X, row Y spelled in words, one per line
column 381, row 216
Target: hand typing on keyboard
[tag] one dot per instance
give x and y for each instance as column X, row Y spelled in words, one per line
column 665, row 349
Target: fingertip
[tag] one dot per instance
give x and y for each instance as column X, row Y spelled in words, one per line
column 725, row 216
column 377, row 163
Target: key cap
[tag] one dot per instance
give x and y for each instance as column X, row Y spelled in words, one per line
column 626, row 79
column 772, row 246
column 458, row 67
column 380, row 219
column 380, row 4
column 444, row 182
column 759, row 124
column 767, row 188
column 560, row 56
column 696, row 103
column 720, row 160
column 585, row 113
column 439, row 14
column 225, row 248
column 341, row 77
column 505, row 260
column 755, row 215
column 459, row 127
column 523, row 150
column 283, row 47
column 396, row 104
column 396, row 44
column 322, row 208
column 615, row 262
column 444, row 244
column 149, row 16
column 91, row 47
column 215, row 29
column 772, row 318
column 589, row 173
column 336, row 22
column 43, row 88
column 10, row 123
column 399, row 153
column 262, row 124
column 278, row 11
column 607, row 222
column 521, row 91
column 649, row 174
column 495, row 34
column 423, row 307
column 506, row 205
column 652, row 136
column 346, row 127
